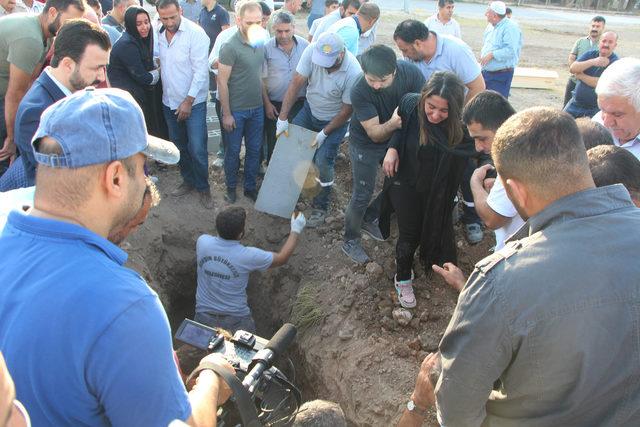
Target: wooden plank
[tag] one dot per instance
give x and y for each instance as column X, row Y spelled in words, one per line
column 287, row 172
column 534, row 78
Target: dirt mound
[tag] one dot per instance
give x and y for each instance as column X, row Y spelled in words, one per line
column 351, row 348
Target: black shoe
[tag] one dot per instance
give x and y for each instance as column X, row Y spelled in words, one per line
column 230, row 196
column 251, row 194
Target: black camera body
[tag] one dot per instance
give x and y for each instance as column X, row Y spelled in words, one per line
column 275, row 398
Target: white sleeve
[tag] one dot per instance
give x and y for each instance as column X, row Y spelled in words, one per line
column 499, row 202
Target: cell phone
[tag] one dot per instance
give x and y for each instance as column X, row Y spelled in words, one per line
column 491, row 173
column 198, row 335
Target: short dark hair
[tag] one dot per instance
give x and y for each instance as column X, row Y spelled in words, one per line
column 328, row 3
column 74, row 37
column 230, row 222
column 542, row 148
column 353, row 3
column 442, row 3
column 489, row 109
column 599, row 18
column 610, row 165
column 266, row 10
column 94, row 3
column 163, row 4
column 593, row 133
column 283, row 17
column 379, row 61
column 508, row 11
column 62, row 5
column 411, row 30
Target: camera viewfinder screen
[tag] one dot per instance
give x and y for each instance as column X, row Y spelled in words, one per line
column 196, row 336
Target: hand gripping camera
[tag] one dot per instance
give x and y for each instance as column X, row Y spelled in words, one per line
column 262, row 394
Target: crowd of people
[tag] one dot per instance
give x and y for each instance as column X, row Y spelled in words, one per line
column 545, row 329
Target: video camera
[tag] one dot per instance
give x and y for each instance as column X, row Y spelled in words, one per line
column 262, row 394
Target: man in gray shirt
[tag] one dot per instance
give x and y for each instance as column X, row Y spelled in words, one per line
column 546, row 330
column 240, row 92
column 281, row 56
column 331, row 72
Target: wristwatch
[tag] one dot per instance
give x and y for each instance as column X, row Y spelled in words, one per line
column 412, row 407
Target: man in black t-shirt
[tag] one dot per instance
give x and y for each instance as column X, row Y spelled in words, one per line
column 375, row 98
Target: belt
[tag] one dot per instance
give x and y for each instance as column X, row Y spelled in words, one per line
column 504, row 70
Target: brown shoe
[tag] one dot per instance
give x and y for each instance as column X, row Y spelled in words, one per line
column 183, row 189
column 206, row 200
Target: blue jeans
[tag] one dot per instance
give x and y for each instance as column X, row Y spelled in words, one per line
column 227, row 322
column 325, row 156
column 190, row 136
column 364, row 169
column 312, row 17
column 500, row 81
column 578, row 111
column 250, row 125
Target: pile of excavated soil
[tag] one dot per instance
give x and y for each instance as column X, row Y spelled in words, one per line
column 350, row 348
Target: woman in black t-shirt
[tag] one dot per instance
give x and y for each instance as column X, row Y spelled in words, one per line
column 424, row 165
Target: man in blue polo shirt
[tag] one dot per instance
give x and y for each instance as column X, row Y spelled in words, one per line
column 433, row 52
column 588, row 69
column 86, row 340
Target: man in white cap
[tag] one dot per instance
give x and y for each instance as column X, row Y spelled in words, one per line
column 330, row 71
column 501, row 49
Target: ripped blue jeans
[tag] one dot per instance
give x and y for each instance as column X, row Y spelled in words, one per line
column 365, row 163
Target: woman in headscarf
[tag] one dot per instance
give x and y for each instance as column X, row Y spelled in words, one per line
column 424, row 166
column 132, row 68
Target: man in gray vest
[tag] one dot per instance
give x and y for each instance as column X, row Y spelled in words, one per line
column 546, row 330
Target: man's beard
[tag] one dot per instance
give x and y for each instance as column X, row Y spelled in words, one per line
column 150, row 198
column 78, row 83
column 55, row 25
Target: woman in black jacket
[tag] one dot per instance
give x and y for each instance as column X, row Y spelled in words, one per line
column 424, row 165
column 131, row 67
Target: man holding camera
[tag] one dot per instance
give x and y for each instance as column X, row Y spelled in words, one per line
column 85, row 338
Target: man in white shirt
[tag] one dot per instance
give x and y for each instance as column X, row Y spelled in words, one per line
column 183, row 48
column 483, row 115
column 443, row 22
column 618, row 92
column 30, row 6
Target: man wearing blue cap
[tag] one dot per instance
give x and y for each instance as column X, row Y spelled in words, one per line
column 330, row 72
column 86, row 340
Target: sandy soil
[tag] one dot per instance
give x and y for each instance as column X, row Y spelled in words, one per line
column 349, row 348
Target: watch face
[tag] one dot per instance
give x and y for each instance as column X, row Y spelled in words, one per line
column 411, row 406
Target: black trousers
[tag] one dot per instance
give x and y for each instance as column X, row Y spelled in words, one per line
column 568, row 92
column 409, row 208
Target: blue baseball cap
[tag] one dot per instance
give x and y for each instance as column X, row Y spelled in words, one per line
column 327, row 49
column 95, row 126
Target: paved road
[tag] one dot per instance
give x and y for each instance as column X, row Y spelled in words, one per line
column 474, row 10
